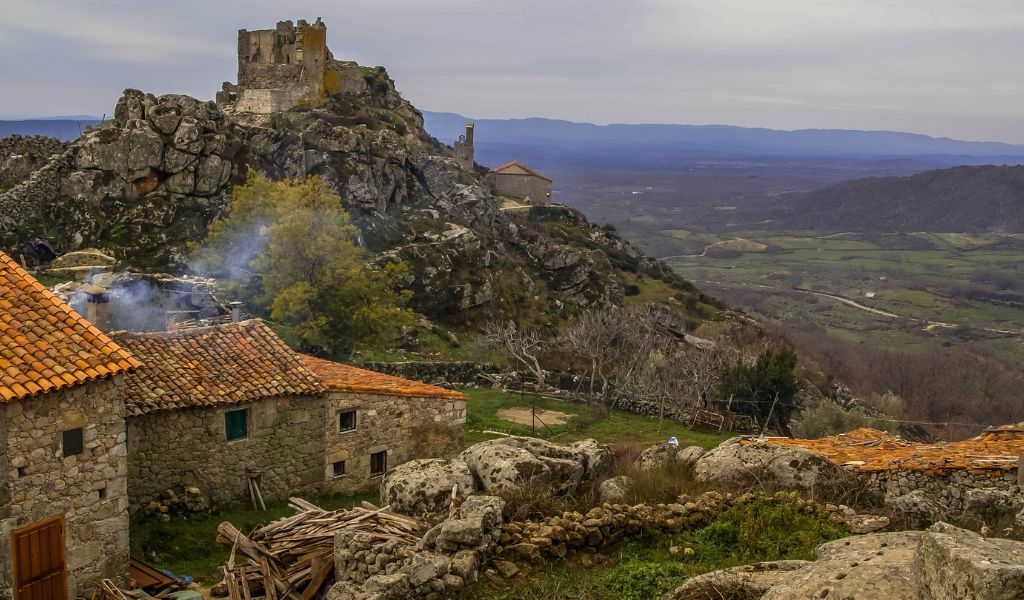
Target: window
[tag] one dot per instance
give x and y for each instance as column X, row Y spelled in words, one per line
column 347, row 420
column 378, row 463
column 236, row 424
column 338, row 468
column 73, row 442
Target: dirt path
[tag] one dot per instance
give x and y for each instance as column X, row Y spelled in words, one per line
column 524, row 416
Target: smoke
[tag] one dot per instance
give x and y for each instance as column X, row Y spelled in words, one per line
column 232, row 258
column 151, row 303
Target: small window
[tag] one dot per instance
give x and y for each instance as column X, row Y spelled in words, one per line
column 338, row 468
column 347, row 420
column 73, row 442
column 236, row 424
column 378, row 463
column 102, row 492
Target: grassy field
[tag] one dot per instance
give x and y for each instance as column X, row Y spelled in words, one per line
column 189, row 546
column 585, row 422
column 645, row 568
column 973, row 283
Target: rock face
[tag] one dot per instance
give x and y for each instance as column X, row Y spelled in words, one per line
column 956, row 564
column 424, row 487
column 942, row 563
column 738, row 465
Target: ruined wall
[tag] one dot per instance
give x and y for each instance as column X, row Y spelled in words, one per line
column 405, row 428
column 88, row 489
column 185, row 448
column 948, row 489
column 284, row 67
column 21, row 155
column 522, row 186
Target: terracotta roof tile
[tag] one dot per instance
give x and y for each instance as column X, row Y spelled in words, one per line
column 346, row 378
column 233, row 363
column 997, row 449
column 517, row 168
column 44, row 344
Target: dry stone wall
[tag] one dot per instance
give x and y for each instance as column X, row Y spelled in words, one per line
column 88, row 489
column 20, row 155
column 948, row 489
column 188, row 448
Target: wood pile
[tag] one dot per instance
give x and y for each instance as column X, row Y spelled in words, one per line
column 293, row 558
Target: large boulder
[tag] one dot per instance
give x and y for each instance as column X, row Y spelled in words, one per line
column 614, row 490
column 423, row 488
column 668, row 456
column 734, row 464
column 915, row 508
column 509, row 462
column 994, row 506
column 746, row 581
column 475, row 525
column 956, row 564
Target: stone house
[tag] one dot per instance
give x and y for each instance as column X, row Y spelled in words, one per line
column 213, row 407
column 63, row 465
column 377, row 422
column 520, row 181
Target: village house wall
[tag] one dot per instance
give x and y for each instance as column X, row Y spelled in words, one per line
column 948, row 489
column 522, row 186
column 404, row 427
column 189, row 447
column 89, row 489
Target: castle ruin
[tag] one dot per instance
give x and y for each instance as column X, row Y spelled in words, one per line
column 464, row 149
column 282, row 68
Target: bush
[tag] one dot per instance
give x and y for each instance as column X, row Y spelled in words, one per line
column 828, row 418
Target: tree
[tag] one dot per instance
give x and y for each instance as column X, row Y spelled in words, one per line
column 766, row 387
column 523, row 345
column 292, row 251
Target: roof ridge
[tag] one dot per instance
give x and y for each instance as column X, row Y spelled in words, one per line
column 188, row 331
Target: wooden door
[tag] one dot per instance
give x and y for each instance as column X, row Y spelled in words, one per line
column 38, row 559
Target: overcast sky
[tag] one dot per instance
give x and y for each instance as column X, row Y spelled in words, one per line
column 942, row 67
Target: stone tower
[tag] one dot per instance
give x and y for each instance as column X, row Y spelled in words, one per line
column 464, row 149
column 283, row 67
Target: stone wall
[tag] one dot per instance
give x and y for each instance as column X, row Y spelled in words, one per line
column 538, row 190
column 948, row 490
column 184, row 448
column 437, row 373
column 24, row 203
column 88, row 489
column 403, row 427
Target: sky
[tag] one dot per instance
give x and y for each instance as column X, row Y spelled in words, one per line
column 941, row 67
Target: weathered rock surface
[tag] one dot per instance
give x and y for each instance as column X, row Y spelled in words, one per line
column 668, row 456
column 614, row 490
column 20, row 155
column 956, row 564
column 737, row 465
column 747, row 581
column 507, row 463
column 423, row 488
column 916, row 508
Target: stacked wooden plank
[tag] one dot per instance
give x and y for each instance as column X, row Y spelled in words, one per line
column 293, row 558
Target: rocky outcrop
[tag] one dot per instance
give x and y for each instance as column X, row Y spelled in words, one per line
column 668, row 456
column 426, row 488
column 942, row 563
column 736, row 465
column 20, row 155
column 506, row 464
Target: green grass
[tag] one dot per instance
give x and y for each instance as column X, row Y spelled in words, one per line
column 189, row 546
column 644, row 568
column 586, row 422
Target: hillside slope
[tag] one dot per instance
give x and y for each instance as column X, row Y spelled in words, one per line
column 147, row 183
column 962, row 199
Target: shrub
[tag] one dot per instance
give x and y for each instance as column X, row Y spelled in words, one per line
column 828, row 418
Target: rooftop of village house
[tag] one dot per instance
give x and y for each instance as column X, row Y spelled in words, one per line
column 44, row 344
column 225, row 364
column 517, row 168
column 870, row 450
column 342, row 377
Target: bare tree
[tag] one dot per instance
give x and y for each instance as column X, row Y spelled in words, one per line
column 524, row 345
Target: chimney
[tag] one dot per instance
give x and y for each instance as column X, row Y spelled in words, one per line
column 97, row 306
column 236, row 311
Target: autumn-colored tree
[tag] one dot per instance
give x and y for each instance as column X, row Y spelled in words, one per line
column 291, row 249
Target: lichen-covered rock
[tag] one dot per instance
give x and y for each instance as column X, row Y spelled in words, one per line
column 916, row 508
column 499, row 467
column 747, row 581
column 668, row 456
column 956, row 564
column 596, row 457
column 614, row 490
column 423, row 487
column 991, row 505
column 734, row 464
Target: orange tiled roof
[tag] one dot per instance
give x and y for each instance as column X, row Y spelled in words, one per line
column 997, row 449
column 44, row 344
column 346, row 378
column 517, row 168
column 231, row 363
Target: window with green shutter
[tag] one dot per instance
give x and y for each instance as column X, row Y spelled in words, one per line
column 236, row 424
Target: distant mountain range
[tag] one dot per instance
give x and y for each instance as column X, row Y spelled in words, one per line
column 961, row 199
column 550, row 143
column 63, row 128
